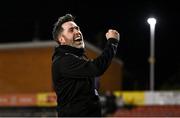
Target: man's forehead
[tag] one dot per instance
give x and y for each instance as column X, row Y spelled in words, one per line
column 69, row 24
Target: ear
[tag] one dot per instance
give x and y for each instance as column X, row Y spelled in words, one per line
column 61, row 39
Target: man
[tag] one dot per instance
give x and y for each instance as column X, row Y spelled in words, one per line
column 110, row 104
column 73, row 73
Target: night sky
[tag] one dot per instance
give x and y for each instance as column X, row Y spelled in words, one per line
column 22, row 21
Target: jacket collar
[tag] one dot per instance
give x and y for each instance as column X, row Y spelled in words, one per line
column 69, row 49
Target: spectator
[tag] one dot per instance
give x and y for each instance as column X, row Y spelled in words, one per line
column 110, row 104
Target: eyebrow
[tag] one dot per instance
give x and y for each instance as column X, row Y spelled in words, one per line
column 74, row 27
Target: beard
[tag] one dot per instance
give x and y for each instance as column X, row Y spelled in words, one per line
column 73, row 42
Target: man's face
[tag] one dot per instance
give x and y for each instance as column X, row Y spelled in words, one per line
column 71, row 35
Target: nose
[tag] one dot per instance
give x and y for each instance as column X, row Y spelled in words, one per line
column 77, row 32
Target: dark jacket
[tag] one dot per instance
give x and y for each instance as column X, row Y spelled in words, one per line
column 73, row 77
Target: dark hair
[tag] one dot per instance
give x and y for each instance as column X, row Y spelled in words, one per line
column 57, row 29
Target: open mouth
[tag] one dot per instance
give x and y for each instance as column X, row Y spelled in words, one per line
column 78, row 39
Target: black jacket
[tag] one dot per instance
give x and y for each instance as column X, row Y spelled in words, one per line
column 73, row 78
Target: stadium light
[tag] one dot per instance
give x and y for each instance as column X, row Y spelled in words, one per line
column 152, row 23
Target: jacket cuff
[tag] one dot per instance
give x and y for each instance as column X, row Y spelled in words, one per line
column 113, row 40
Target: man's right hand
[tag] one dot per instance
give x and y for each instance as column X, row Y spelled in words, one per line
column 113, row 34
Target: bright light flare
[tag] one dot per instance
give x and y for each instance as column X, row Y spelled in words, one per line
column 151, row 21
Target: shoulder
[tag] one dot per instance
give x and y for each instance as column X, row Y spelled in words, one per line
column 66, row 58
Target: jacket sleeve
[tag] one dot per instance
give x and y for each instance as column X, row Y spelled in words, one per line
column 74, row 67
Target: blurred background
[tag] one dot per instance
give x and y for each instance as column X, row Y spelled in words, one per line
column 26, row 47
